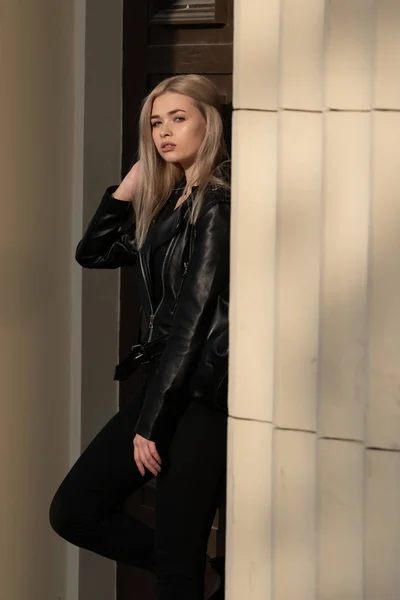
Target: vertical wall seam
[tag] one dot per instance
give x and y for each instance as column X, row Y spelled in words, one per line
column 374, row 43
column 275, row 342
column 280, row 56
column 324, row 54
column 369, row 292
column 319, row 342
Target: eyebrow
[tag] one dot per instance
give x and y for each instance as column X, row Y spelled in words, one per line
column 171, row 112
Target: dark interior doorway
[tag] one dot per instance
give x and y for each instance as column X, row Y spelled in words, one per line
column 163, row 38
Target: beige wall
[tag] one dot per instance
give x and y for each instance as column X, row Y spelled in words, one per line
column 36, row 141
column 60, row 125
column 314, row 433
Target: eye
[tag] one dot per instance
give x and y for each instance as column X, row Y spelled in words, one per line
column 180, row 118
column 156, row 123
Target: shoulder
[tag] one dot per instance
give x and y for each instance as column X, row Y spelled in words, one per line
column 215, row 215
column 216, row 197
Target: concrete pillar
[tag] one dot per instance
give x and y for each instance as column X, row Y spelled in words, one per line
column 314, row 437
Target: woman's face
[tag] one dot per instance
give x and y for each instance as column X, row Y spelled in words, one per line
column 178, row 128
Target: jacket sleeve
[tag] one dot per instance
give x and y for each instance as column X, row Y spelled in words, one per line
column 106, row 243
column 206, row 278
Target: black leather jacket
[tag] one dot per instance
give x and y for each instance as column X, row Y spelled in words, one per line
column 193, row 313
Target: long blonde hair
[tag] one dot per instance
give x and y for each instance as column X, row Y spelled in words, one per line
column 158, row 178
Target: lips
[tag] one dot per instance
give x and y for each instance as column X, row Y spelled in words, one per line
column 167, row 147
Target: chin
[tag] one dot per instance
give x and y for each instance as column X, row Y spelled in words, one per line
column 170, row 159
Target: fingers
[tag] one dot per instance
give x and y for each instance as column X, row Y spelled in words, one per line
column 146, row 456
column 139, row 462
column 154, row 453
column 150, row 463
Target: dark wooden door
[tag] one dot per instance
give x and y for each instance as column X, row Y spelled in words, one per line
column 164, row 38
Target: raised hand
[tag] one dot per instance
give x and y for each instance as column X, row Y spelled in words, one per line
column 126, row 189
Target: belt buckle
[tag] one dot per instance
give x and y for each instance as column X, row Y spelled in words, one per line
column 142, row 353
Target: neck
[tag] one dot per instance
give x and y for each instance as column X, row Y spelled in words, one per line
column 189, row 175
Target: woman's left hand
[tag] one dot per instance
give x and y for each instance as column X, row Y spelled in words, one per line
column 146, row 455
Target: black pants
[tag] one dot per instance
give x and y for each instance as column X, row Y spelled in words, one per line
column 87, row 508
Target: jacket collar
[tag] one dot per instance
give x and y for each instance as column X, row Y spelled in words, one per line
column 165, row 228
column 163, row 231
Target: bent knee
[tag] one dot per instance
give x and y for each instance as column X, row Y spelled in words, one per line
column 58, row 516
column 67, row 522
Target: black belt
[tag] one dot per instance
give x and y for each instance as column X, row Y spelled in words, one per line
column 140, row 354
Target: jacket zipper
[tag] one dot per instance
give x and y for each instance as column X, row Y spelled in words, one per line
column 148, row 295
column 153, row 314
column 170, row 249
column 185, row 268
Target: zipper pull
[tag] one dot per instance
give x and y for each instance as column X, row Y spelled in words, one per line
column 151, row 326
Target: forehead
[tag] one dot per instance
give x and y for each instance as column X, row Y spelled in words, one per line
column 171, row 101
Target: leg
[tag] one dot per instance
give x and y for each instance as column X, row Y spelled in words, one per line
column 86, row 509
column 187, row 497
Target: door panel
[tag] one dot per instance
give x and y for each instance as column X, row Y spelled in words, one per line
column 187, row 59
column 164, row 38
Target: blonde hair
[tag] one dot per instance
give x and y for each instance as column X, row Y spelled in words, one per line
column 158, row 178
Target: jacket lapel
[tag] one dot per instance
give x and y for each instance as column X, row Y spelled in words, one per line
column 162, row 231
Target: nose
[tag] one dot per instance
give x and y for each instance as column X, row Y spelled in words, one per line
column 165, row 130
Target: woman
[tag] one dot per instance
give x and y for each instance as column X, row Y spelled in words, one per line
column 171, row 215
